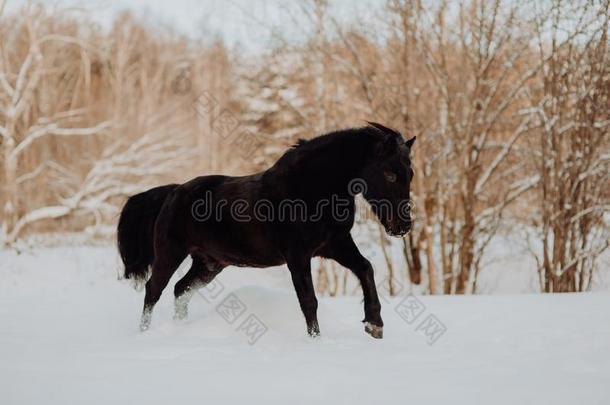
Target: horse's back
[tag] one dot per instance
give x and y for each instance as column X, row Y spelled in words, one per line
column 205, row 210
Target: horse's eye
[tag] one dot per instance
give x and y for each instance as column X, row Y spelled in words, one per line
column 391, row 177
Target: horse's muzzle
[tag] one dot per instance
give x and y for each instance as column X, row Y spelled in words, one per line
column 399, row 230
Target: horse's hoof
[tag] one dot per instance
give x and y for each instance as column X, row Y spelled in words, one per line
column 314, row 332
column 313, row 329
column 373, row 330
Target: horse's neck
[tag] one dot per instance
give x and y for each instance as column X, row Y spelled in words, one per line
column 316, row 181
column 327, row 170
column 342, row 171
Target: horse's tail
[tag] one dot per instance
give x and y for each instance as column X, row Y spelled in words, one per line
column 135, row 232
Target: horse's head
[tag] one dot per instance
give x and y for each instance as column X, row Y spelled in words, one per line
column 388, row 177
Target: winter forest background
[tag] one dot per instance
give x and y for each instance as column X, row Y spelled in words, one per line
column 510, row 102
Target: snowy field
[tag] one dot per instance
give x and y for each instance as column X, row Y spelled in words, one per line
column 69, row 335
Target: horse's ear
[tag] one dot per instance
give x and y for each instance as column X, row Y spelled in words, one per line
column 388, row 141
column 383, row 128
column 410, row 142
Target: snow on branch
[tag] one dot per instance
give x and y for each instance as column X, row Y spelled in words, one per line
column 37, row 132
column 499, row 158
column 514, row 191
column 123, row 169
column 4, row 132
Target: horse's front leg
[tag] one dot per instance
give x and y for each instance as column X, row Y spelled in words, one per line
column 345, row 252
column 300, row 270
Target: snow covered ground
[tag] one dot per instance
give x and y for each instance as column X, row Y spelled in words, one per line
column 69, row 335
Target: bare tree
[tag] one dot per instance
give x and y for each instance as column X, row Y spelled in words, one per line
column 87, row 151
column 508, row 100
column 572, row 143
column 28, row 115
column 471, row 54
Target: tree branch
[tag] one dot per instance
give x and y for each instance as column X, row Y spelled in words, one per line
column 37, row 132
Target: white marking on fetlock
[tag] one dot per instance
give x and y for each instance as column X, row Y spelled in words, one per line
column 181, row 307
column 314, row 334
column 145, row 320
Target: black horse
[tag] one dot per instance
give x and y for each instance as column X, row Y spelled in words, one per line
column 301, row 207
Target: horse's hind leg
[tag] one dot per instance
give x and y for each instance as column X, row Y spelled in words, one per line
column 163, row 268
column 200, row 274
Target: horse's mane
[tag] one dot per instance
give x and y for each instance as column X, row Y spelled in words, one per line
column 341, row 144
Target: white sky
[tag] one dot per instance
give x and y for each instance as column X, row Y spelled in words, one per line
column 247, row 23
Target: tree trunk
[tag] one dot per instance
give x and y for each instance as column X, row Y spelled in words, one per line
column 429, row 239
column 388, row 260
column 411, row 254
column 11, row 202
column 466, row 248
column 322, row 282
